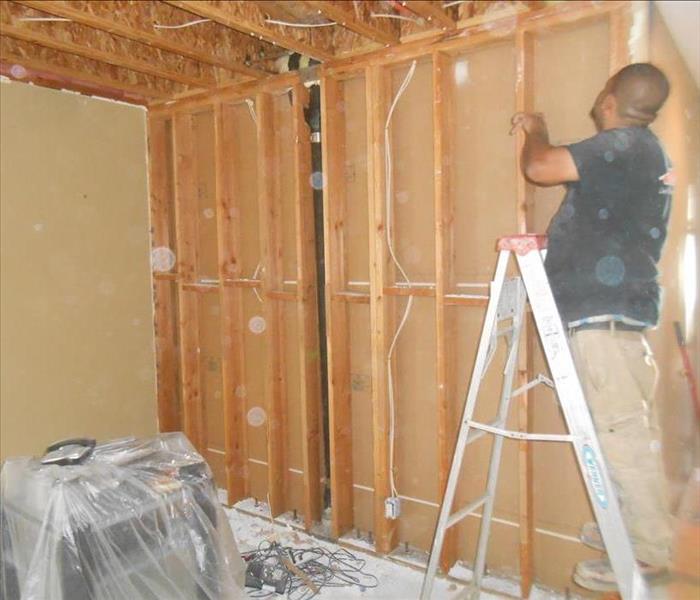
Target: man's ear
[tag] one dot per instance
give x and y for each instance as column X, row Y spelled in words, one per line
column 609, row 105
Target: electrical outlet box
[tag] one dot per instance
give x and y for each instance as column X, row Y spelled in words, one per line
column 392, row 507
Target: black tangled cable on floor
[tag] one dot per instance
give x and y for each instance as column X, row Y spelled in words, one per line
column 323, row 568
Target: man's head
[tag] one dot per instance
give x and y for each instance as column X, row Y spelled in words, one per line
column 631, row 97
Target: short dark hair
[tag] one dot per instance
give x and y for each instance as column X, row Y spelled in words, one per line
column 640, row 90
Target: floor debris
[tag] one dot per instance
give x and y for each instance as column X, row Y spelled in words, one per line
column 394, row 581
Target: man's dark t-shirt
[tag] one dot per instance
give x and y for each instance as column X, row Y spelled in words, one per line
column 606, row 238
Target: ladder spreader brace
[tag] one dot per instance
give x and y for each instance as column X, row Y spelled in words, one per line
column 507, row 301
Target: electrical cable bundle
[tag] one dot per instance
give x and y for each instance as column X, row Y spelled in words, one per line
column 388, row 197
column 302, row 573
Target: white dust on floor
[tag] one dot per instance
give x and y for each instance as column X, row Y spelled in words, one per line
column 396, row 581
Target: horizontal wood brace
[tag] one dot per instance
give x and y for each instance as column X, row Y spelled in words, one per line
column 405, row 290
column 282, row 295
column 352, row 297
column 205, row 288
column 244, row 283
column 166, row 276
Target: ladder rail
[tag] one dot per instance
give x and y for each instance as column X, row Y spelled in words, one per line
column 497, row 448
column 479, row 364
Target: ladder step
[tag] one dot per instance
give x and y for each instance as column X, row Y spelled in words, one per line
column 462, row 513
column 519, row 435
column 536, row 381
column 478, row 433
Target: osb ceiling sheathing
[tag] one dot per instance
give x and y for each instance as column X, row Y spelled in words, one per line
column 144, row 51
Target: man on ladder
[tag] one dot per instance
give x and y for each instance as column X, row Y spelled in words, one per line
column 604, row 245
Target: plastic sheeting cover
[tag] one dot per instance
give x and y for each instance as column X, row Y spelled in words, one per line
column 136, row 520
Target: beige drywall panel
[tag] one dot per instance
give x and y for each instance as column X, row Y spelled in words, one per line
column 76, row 348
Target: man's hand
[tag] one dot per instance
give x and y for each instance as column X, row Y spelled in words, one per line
column 530, row 123
column 542, row 163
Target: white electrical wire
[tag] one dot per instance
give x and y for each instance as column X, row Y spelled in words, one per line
column 399, row 17
column 255, row 276
column 300, row 25
column 455, row 3
column 181, row 25
column 407, row 281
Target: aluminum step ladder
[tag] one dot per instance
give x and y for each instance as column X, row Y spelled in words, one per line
column 507, row 302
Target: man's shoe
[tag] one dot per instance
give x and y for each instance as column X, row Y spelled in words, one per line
column 596, row 575
column 591, row 536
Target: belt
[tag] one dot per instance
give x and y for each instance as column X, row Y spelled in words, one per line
column 608, row 325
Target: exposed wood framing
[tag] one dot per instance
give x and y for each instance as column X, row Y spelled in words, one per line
column 160, row 197
column 229, row 93
column 52, row 75
column 381, row 288
column 432, row 12
column 251, row 22
column 230, row 286
column 270, row 239
column 80, row 71
column 275, row 10
column 35, row 37
column 619, row 49
column 444, row 368
column 237, row 41
column 372, row 65
column 524, row 101
column 187, row 244
column 345, row 17
column 385, row 530
column 339, row 396
column 307, row 311
column 231, row 298
column 480, row 33
column 114, row 25
column 626, row 48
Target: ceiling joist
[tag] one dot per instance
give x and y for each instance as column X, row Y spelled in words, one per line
column 65, row 78
column 164, row 49
column 431, row 12
column 248, row 18
column 112, row 24
column 27, row 34
column 345, row 17
column 74, row 67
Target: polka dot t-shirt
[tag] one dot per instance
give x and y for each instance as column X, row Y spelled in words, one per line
column 605, row 240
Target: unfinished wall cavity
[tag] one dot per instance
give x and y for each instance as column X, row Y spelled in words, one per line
column 239, row 372
column 447, row 165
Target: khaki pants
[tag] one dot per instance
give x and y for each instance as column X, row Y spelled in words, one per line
column 618, row 375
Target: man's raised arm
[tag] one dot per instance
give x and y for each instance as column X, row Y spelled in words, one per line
column 542, row 163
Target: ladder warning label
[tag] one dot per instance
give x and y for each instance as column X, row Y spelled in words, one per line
column 594, row 476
